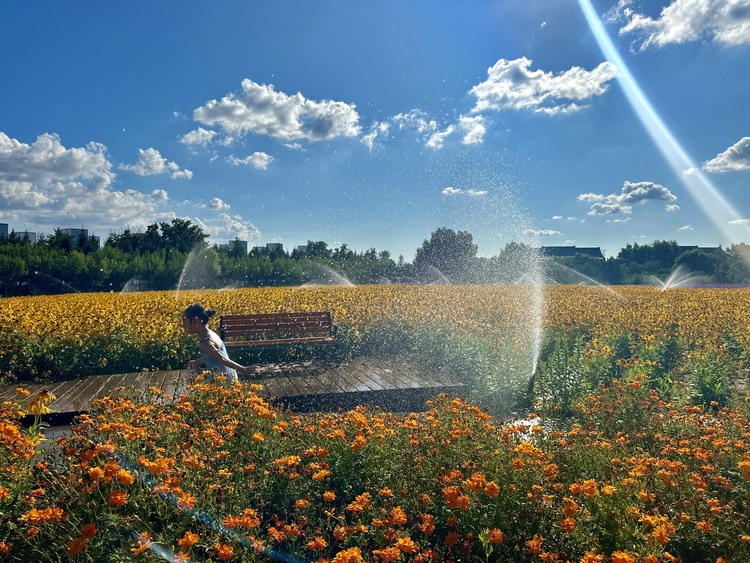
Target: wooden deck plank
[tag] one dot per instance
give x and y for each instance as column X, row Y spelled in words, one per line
column 305, row 385
column 71, row 398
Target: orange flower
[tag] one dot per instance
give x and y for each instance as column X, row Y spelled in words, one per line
column 125, row 477
column 359, row 442
column 492, row 489
column 188, row 540
column 662, row 532
column 568, row 524
column 569, row 506
column 745, row 468
column 576, row 488
column 88, row 531
column 76, row 546
column 301, row 503
column 592, row 557
column 407, row 545
column 385, row 492
column 589, row 488
column 451, row 538
column 704, row 526
column 318, row 544
column 96, row 473
column 329, row 496
column 387, row 554
column 118, row 498
column 144, row 542
column 495, row 535
column 398, row 516
column 534, row 545
column 622, row 557
column 258, row 437
column 351, row 555
column 224, row 551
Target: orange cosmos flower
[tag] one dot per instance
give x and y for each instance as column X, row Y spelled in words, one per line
column 589, row 488
column 576, row 488
column 144, row 542
column 118, row 498
column 745, row 468
column 301, row 503
column 569, row 506
column 188, row 540
column 622, row 557
column 568, row 524
column 495, row 535
column 258, row 437
column 407, row 545
column 76, row 546
column 351, row 555
column 592, row 557
column 387, row 554
column 96, row 473
column 329, row 496
column 492, row 489
column 704, row 526
column 534, row 545
column 359, row 442
column 318, row 544
column 224, row 551
column 88, row 531
column 125, row 477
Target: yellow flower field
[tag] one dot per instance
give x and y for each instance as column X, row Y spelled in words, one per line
column 699, row 313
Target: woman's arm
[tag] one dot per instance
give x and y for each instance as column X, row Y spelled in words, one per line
column 208, row 347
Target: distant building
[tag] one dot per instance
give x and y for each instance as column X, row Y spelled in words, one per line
column 565, row 251
column 32, row 236
column 234, row 244
column 3, row 230
column 275, row 247
column 301, row 249
column 75, row 232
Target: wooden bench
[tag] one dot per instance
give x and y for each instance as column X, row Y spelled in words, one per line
column 277, row 330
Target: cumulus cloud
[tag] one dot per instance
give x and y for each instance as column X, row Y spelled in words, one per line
column 259, row 160
column 557, row 218
column 540, row 232
column 672, row 207
column 261, row 110
column 229, row 227
column 686, row 228
column 417, row 120
column 632, row 193
column 200, row 137
column 45, row 182
column 739, row 222
column 218, row 204
column 473, row 128
column 682, row 21
column 513, row 85
column 736, row 157
column 378, row 129
column 450, row 190
column 151, row 162
column 437, row 140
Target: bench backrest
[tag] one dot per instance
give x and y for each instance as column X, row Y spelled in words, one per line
column 275, row 326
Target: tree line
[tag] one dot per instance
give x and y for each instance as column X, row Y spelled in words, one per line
column 167, row 255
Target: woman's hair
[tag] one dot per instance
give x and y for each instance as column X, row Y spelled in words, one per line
column 198, row 312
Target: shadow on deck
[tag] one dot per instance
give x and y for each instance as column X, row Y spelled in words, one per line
column 394, row 384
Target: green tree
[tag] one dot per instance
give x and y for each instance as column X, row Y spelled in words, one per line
column 449, row 253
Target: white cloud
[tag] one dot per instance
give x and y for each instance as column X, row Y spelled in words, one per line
column 151, row 162
column 225, row 227
column 739, row 222
column 200, row 137
column 724, row 21
column 378, row 129
column 473, row 128
column 259, row 160
column 632, row 193
column 540, row 232
column 437, row 140
column 686, row 228
column 689, row 171
column 672, row 207
column 218, row 204
column 736, row 157
column 512, row 85
column 415, row 119
column 625, row 220
column 450, row 190
column 294, row 146
column 557, row 218
column 261, row 110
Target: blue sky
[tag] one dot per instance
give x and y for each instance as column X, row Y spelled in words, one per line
column 373, row 123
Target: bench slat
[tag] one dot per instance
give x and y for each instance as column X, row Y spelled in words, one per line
column 269, row 330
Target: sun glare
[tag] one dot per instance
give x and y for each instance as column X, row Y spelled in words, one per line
column 709, row 198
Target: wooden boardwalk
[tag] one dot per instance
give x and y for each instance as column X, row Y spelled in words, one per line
column 394, row 384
